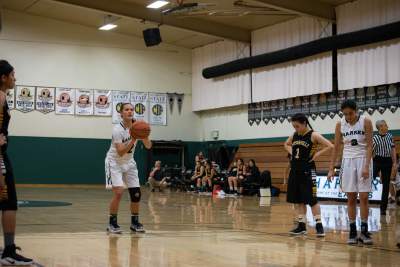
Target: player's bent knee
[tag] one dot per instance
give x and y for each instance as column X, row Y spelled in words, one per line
column 135, row 194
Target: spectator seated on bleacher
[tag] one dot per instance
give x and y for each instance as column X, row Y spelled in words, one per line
column 198, row 174
column 209, row 175
column 251, row 182
column 157, row 177
column 232, row 178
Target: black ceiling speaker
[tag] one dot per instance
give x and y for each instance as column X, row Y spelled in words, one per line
column 152, row 36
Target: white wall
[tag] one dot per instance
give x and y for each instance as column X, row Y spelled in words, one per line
column 232, row 124
column 48, row 52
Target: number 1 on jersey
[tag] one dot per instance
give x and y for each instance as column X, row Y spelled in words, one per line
column 297, row 153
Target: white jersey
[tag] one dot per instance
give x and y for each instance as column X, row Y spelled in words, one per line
column 355, row 145
column 120, row 135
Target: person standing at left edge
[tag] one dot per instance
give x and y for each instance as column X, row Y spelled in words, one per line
column 8, row 195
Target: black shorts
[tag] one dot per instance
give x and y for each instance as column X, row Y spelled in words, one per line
column 302, row 187
column 8, row 198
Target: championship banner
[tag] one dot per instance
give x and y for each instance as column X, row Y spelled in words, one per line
column 322, row 106
column 11, row 98
column 266, row 112
column 45, row 99
column 360, row 100
column 65, row 101
column 370, row 100
column 331, row 104
column 314, row 107
column 250, row 114
column 297, row 105
column 351, row 94
column 340, row 99
column 305, row 105
column 274, row 110
column 25, row 98
column 102, row 102
column 140, row 105
column 382, row 98
column 281, row 113
column 257, row 113
column 158, row 108
column 394, row 97
column 118, row 98
column 84, row 102
column 289, row 109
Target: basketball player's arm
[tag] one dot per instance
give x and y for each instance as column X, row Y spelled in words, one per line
column 336, row 148
column 319, row 139
column 288, row 145
column 368, row 137
column 122, row 149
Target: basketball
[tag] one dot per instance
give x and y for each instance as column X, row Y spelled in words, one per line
column 140, row 130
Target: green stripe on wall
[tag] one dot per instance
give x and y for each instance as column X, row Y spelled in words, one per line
column 50, row 160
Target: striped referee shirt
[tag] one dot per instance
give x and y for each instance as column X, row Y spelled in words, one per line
column 382, row 145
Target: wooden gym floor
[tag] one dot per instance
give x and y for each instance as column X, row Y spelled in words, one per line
column 189, row 230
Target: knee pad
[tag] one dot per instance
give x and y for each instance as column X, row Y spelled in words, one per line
column 135, row 194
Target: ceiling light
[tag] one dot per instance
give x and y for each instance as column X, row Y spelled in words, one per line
column 107, row 27
column 108, row 23
column 158, row 4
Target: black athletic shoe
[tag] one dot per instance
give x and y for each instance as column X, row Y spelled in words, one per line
column 320, row 230
column 365, row 236
column 352, row 235
column 114, row 228
column 11, row 258
column 137, row 227
column 299, row 230
column 153, row 190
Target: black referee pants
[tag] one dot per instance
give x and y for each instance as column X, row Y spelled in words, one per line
column 384, row 166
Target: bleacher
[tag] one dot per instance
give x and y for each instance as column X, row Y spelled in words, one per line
column 273, row 157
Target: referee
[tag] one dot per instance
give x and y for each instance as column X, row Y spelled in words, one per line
column 384, row 152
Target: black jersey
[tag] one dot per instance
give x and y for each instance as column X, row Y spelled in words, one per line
column 4, row 122
column 207, row 172
column 303, row 150
column 197, row 170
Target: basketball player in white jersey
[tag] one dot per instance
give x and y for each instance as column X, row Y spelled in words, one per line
column 355, row 133
column 121, row 170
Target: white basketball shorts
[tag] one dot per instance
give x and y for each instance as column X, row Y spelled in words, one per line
column 121, row 174
column 351, row 175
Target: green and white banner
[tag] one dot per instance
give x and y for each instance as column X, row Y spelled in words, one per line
column 158, row 108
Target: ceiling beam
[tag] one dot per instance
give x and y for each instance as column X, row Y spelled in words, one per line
column 311, row 8
column 133, row 10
